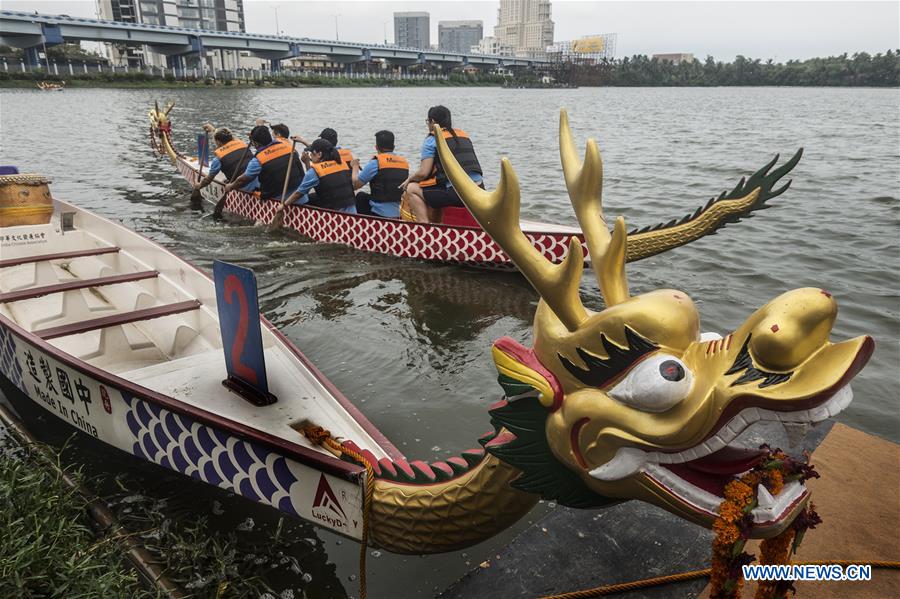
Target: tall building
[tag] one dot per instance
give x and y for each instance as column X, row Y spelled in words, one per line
column 525, row 26
column 459, row 36
column 412, row 30
column 216, row 15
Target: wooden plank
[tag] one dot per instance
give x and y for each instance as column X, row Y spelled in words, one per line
column 58, row 256
column 117, row 319
column 22, row 294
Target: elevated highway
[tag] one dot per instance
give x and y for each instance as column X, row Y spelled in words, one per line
column 31, row 31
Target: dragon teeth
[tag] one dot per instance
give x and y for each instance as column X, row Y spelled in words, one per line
column 626, row 462
column 629, row 460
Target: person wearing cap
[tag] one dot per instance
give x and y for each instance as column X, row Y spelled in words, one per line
column 230, row 157
column 328, row 182
column 331, row 135
column 384, row 173
column 270, row 165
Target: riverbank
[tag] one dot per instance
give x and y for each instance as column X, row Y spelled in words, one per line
column 142, row 81
column 48, row 547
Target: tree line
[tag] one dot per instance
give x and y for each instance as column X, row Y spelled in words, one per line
column 861, row 69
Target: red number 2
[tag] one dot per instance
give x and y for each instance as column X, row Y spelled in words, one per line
column 233, row 287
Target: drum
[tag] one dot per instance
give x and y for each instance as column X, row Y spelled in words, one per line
column 25, row 200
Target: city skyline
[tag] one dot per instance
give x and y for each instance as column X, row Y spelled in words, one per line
column 720, row 29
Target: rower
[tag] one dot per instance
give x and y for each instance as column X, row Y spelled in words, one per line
column 426, row 202
column 328, row 176
column 231, row 156
column 331, row 135
column 384, row 173
column 270, row 164
column 281, row 133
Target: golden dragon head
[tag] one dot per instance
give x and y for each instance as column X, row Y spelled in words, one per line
column 632, row 402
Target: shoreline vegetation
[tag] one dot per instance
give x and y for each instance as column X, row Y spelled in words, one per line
column 858, row 70
column 52, row 548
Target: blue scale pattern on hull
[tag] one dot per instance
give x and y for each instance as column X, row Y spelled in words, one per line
column 210, row 455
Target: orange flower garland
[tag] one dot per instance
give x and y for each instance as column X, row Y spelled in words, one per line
column 732, row 527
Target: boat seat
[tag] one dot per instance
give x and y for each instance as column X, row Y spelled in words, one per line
column 58, row 256
column 117, row 319
column 458, row 217
column 15, row 296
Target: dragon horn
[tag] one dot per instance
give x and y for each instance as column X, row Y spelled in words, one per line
column 498, row 213
column 169, row 107
column 584, row 182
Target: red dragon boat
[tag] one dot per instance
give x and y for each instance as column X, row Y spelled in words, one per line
column 460, row 239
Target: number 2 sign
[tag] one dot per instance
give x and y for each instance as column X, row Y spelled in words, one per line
column 238, row 306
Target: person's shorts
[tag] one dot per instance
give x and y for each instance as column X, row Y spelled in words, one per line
column 441, row 198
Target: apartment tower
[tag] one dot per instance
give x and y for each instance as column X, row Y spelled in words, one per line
column 459, row 36
column 412, row 30
column 525, row 26
column 214, row 15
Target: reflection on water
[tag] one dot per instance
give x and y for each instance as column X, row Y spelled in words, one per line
column 410, row 342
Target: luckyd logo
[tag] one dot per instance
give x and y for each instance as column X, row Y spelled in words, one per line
column 326, row 506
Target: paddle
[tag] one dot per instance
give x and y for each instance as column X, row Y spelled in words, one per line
column 278, row 219
column 220, row 205
column 196, row 196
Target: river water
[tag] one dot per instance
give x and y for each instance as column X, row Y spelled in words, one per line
column 409, row 341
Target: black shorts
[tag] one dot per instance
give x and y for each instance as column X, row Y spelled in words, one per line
column 441, row 198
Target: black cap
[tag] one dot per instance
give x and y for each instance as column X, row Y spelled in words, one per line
column 329, row 134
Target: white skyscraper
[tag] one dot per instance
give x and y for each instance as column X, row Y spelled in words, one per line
column 525, row 26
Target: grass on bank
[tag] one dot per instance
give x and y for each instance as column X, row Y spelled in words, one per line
column 48, row 548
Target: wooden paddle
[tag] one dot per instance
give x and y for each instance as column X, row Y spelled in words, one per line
column 278, row 219
column 196, row 196
column 220, row 205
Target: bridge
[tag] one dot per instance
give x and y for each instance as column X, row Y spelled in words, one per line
column 31, row 32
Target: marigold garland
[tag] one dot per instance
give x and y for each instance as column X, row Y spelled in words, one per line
column 732, row 526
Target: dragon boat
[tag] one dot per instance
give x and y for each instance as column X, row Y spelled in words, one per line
column 460, row 239
column 631, row 402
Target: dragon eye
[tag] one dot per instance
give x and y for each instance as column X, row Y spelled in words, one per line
column 654, row 385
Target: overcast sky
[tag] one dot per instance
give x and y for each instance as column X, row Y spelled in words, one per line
column 778, row 30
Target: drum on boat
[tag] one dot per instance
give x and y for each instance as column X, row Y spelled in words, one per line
column 24, row 200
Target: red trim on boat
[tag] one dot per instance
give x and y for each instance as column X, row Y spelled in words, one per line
column 23, row 294
column 351, row 408
column 116, row 319
column 59, row 256
column 287, row 448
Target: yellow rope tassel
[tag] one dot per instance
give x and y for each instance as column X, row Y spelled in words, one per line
column 612, row 589
column 320, row 436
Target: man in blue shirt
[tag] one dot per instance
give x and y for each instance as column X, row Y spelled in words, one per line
column 272, row 164
column 231, row 157
column 384, row 173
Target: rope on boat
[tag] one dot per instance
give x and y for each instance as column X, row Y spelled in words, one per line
column 612, row 589
column 24, row 179
column 109, row 525
column 321, row 436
